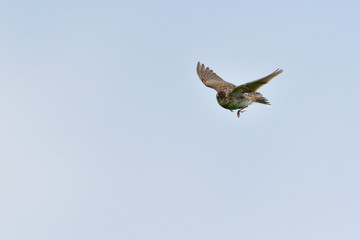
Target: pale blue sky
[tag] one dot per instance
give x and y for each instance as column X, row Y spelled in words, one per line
column 107, row 132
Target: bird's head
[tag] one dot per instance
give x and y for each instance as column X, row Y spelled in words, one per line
column 220, row 95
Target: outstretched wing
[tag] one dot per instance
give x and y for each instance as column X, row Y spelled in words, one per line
column 255, row 85
column 210, row 79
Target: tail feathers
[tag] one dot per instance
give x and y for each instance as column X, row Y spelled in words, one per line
column 259, row 98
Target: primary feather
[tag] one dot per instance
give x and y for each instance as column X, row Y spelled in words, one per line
column 211, row 79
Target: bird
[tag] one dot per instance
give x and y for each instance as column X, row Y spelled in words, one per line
column 233, row 97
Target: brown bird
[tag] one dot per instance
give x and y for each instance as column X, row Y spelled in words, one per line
column 233, row 97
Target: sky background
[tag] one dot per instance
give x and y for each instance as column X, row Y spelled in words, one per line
column 106, row 131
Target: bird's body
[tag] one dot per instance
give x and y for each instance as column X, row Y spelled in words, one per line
column 234, row 97
column 226, row 100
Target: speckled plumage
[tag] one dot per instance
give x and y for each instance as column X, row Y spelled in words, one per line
column 233, row 97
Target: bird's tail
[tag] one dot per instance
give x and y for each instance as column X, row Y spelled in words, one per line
column 259, row 98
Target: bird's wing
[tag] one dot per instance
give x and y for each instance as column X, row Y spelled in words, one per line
column 210, row 79
column 255, row 85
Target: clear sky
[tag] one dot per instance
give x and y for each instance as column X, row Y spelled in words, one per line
column 108, row 133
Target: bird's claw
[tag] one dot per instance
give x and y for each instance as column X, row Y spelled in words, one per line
column 240, row 111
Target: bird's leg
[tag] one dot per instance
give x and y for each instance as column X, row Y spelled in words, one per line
column 240, row 111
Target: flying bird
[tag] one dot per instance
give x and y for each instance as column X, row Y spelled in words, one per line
column 234, row 97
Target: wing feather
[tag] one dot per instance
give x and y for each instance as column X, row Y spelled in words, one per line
column 211, row 79
column 255, row 85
